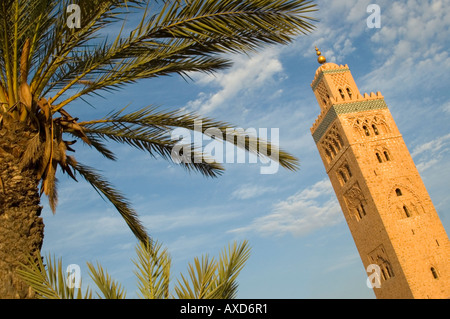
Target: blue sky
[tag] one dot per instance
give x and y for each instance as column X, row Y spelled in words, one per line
column 301, row 245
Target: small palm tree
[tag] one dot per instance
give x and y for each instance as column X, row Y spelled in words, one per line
column 208, row 278
column 46, row 66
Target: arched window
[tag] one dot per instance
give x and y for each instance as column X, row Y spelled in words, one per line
column 340, row 140
column 434, row 272
column 363, row 209
column 379, row 158
column 386, row 272
column 389, row 271
column 406, row 210
column 398, row 191
column 375, row 129
column 332, row 149
column 328, row 154
column 359, row 213
column 348, row 170
column 366, row 130
column 386, row 155
column 349, row 92
column 343, row 176
column 338, row 146
column 342, row 94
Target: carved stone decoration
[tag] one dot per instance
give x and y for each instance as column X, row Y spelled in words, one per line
column 354, row 196
column 379, row 257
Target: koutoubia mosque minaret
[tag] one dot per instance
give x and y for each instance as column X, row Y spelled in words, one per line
column 394, row 224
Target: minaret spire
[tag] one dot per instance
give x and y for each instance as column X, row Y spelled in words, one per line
column 396, row 229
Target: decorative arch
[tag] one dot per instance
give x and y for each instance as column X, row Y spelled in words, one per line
column 371, row 126
column 382, row 154
column 356, row 202
column 332, row 143
column 379, row 257
column 349, row 92
column 403, row 202
column 344, row 173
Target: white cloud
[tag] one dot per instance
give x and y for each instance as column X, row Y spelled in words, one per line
column 410, row 45
column 300, row 214
column 409, row 50
column 433, row 146
column 246, row 74
column 431, row 153
column 446, row 107
column 251, row 191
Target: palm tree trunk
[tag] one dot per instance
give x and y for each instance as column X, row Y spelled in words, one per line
column 21, row 228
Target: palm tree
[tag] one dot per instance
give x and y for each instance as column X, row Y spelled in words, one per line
column 208, row 278
column 48, row 64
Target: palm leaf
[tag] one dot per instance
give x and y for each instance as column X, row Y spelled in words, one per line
column 230, row 265
column 50, row 281
column 184, row 36
column 209, row 279
column 62, row 42
column 158, row 145
column 149, row 129
column 110, row 288
column 201, row 275
column 105, row 189
column 153, row 270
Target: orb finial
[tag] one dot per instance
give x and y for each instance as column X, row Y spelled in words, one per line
column 321, row 58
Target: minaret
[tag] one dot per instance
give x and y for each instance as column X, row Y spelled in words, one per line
column 394, row 224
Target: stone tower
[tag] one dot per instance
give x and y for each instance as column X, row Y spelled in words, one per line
column 394, row 224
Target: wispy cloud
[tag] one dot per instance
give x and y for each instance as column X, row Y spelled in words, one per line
column 431, row 153
column 300, row 214
column 446, row 107
column 246, row 74
column 410, row 45
column 435, row 145
column 191, row 217
column 408, row 50
column 248, row 191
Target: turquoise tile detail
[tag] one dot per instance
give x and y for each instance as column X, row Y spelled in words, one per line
column 346, row 108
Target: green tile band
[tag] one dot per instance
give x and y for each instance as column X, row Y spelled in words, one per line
column 346, row 108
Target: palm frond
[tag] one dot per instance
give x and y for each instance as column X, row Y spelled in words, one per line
column 51, row 281
column 105, row 189
column 211, row 279
column 182, row 37
column 157, row 144
column 201, row 276
column 150, row 129
column 231, row 263
column 153, row 270
column 110, row 288
column 62, row 41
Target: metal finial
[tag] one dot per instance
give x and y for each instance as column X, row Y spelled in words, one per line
column 321, row 58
